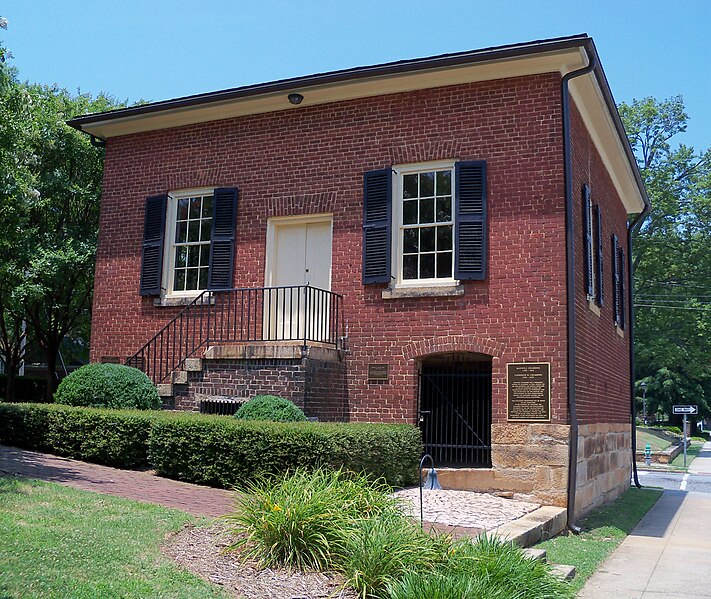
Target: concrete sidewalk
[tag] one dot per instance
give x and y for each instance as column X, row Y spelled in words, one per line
column 668, row 554
column 702, row 462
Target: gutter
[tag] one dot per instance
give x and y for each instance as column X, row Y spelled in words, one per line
column 594, row 67
column 570, row 285
column 637, row 222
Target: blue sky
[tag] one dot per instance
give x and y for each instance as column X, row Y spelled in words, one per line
column 162, row 49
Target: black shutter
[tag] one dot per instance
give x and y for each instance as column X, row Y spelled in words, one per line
column 471, row 220
column 153, row 233
column 599, row 277
column 621, row 260
column 587, row 243
column 377, row 224
column 222, row 241
column 615, row 280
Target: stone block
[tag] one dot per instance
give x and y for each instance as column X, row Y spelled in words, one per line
column 550, row 433
column 193, row 364
column 180, row 377
column 510, row 434
column 165, row 389
column 522, row 456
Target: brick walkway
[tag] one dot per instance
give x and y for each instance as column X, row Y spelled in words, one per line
column 140, row 486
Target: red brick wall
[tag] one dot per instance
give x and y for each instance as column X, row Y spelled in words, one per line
column 602, row 373
column 312, row 160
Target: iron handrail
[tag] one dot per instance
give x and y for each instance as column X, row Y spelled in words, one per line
column 242, row 314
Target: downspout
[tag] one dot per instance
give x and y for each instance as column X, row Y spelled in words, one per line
column 630, row 295
column 570, row 284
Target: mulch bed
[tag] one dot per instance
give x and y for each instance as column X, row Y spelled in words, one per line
column 201, row 550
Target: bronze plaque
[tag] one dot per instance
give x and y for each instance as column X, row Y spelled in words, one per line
column 528, row 388
column 377, row 372
column 110, row 360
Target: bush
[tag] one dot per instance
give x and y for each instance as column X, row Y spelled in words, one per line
column 272, row 408
column 226, row 452
column 108, row 386
column 211, row 450
column 28, row 389
column 111, row 437
column 304, row 520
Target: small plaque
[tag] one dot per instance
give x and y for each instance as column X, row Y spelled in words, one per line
column 110, row 360
column 528, row 388
column 377, row 372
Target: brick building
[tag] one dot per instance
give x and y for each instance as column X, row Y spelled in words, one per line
column 440, row 240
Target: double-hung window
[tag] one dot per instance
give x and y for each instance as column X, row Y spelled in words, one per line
column 189, row 242
column 424, row 214
column 425, row 224
column 592, row 248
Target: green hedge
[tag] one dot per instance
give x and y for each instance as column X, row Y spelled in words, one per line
column 225, row 452
column 28, row 389
column 112, row 437
column 211, row 450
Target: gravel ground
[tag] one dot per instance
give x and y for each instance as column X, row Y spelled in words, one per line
column 201, row 550
column 463, row 508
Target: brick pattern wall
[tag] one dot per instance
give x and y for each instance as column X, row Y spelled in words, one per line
column 316, row 386
column 602, row 374
column 312, row 160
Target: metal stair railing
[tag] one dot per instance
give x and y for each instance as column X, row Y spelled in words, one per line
column 242, row 315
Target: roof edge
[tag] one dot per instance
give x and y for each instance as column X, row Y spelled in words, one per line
column 305, row 82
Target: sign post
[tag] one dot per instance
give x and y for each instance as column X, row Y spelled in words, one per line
column 685, row 410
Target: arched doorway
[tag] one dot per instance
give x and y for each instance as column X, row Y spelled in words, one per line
column 455, row 408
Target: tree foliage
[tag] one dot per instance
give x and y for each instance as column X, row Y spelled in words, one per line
column 672, row 258
column 50, row 183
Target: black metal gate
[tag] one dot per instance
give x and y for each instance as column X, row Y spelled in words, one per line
column 455, row 414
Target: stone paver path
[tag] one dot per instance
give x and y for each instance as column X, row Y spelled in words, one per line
column 464, row 508
column 131, row 484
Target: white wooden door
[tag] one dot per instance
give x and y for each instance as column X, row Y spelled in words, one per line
column 300, row 255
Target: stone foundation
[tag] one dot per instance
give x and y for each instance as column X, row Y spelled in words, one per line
column 530, row 460
column 604, row 464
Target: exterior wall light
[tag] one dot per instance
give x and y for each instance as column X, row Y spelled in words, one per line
column 295, row 98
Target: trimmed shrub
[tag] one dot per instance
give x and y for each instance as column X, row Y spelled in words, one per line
column 112, row 437
column 108, row 386
column 226, row 452
column 272, row 408
column 211, row 450
column 28, row 389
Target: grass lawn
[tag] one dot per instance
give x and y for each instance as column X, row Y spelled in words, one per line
column 602, row 531
column 691, row 452
column 62, row 542
column 657, row 439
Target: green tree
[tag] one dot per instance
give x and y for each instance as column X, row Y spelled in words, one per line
column 51, row 183
column 672, row 258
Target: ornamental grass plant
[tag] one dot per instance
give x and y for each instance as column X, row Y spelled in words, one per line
column 334, row 520
column 304, row 520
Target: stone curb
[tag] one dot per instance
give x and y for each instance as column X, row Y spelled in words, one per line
column 539, row 525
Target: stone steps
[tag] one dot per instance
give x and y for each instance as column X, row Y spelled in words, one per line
column 561, row 571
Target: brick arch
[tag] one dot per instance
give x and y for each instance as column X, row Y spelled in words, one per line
column 452, row 343
column 213, row 176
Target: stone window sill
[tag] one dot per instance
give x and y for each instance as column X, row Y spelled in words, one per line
column 594, row 308
column 415, row 292
column 178, row 300
column 620, row 332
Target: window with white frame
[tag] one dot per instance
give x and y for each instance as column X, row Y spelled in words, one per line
column 188, row 241
column 424, row 217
